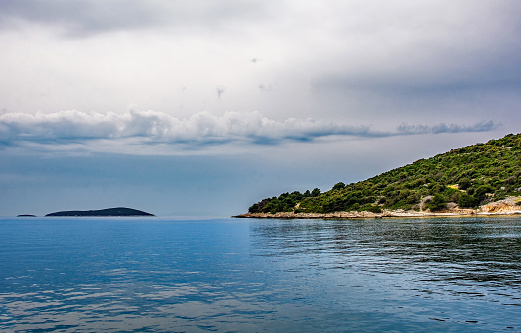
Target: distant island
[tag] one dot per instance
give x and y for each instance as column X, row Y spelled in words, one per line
column 26, row 215
column 481, row 179
column 119, row 211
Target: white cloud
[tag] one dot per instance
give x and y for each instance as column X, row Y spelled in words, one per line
column 142, row 129
column 201, row 128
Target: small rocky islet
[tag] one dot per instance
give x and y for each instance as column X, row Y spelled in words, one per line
column 115, row 212
column 118, row 211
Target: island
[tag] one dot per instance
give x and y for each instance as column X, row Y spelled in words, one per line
column 482, row 179
column 26, row 215
column 118, row 211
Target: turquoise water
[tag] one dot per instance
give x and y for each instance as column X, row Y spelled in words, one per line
column 236, row 275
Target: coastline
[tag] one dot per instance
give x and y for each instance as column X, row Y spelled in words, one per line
column 367, row 215
column 504, row 207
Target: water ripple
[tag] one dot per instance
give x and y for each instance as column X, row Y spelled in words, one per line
column 403, row 275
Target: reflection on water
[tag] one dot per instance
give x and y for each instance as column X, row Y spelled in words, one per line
column 466, row 250
column 469, row 267
column 127, row 307
column 402, row 275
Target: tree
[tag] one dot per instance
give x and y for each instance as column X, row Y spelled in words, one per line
column 438, row 202
column 253, row 208
column 339, row 186
column 482, row 190
column 467, row 201
column 464, row 184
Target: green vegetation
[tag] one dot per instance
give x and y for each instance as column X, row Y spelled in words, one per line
column 467, row 177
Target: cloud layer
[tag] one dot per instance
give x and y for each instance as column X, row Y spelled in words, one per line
column 151, row 127
column 433, row 61
column 200, row 128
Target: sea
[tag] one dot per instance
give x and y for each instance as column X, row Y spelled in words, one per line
column 245, row 275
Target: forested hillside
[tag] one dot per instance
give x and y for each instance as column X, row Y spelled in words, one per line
column 465, row 177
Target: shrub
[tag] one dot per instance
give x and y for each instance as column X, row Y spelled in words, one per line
column 468, row 201
column 464, row 184
column 374, row 209
column 484, row 189
column 438, row 202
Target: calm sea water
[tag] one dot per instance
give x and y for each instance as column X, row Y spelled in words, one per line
column 235, row 275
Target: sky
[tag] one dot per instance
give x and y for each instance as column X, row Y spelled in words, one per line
column 202, row 108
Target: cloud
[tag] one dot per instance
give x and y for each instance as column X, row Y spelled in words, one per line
column 483, row 126
column 200, row 128
column 430, row 49
column 88, row 17
column 149, row 128
column 77, row 16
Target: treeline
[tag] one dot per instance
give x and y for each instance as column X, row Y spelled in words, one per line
column 285, row 202
column 466, row 177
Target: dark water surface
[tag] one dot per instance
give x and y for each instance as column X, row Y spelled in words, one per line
column 229, row 275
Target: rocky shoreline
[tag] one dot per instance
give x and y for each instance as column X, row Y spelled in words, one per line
column 509, row 206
